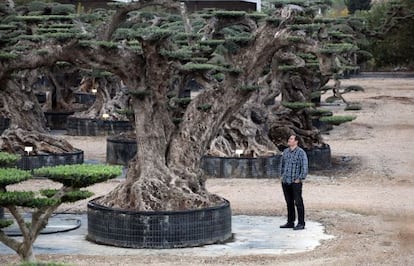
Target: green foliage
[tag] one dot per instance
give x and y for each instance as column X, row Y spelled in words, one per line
column 19, row 198
column 353, row 107
column 200, row 67
column 337, row 119
column 63, row 9
column 71, row 196
column 287, row 67
column 182, row 101
column 80, row 175
column 297, row 105
column 229, row 14
column 40, row 203
column 9, row 176
column 331, row 48
column 307, row 27
column 44, row 18
column 37, row 6
column 102, row 44
column 8, row 159
column 177, row 120
column 320, row 112
column 181, row 54
column 7, row 56
column 295, row 39
column 211, row 42
column 5, row 223
column 204, row 107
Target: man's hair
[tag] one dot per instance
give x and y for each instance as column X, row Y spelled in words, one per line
column 296, row 138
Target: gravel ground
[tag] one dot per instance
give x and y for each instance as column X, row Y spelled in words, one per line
column 366, row 200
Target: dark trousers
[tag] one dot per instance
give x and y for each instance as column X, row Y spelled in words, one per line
column 293, row 196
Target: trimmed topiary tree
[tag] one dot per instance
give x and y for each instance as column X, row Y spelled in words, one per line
column 44, row 202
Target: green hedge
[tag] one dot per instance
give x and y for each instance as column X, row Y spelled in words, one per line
column 297, row 105
column 9, row 176
column 79, row 175
column 72, row 196
column 8, row 159
column 337, row 119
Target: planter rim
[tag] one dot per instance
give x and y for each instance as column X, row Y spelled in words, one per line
column 93, row 205
column 115, row 139
column 54, row 154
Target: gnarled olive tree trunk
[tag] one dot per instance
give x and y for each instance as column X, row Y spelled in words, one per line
column 27, row 122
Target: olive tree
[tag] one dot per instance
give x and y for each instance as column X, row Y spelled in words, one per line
column 231, row 55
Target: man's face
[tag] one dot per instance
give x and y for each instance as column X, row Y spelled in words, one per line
column 292, row 141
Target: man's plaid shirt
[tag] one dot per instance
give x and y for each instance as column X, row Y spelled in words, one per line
column 293, row 165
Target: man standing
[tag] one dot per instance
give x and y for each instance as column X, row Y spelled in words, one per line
column 293, row 169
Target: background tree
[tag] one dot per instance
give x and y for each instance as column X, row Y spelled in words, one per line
column 231, row 55
column 392, row 33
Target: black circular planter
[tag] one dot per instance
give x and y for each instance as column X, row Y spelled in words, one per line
column 84, row 98
column 40, row 160
column 57, row 120
column 4, row 123
column 96, row 127
column 158, row 229
column 319, row 158
column 239, row 167
column 120, row 151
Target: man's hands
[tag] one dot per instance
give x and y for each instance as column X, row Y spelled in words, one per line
column 297, row 181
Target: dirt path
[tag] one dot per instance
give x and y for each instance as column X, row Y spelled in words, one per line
column 367, row 203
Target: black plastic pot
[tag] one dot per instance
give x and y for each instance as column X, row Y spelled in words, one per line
column 1, row 213
column 84, row 98
column 96, row 127
column 4, row 124
column 120, row 151
column 319, row 158
column 239, row 167
column 158, row 229
column 37, row 161
column 57, row 120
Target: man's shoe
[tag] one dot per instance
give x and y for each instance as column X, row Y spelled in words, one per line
column 287, row 225
column 299, row 227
